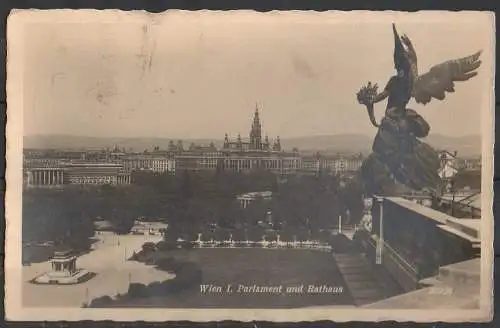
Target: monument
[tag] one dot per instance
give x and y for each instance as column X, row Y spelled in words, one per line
column 400, row 161
column 64, row 270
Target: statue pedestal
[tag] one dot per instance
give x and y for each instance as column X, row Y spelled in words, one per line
column 64, row 271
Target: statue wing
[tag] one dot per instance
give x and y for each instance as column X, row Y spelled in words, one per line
column 441, row 78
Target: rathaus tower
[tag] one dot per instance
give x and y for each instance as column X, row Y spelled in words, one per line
column 256, row 132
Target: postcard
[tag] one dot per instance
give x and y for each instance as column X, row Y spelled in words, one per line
column 280, row 166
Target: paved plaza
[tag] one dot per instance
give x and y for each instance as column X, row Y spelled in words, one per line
column 107, row 260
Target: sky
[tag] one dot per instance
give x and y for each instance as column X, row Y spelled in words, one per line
column 200, row 75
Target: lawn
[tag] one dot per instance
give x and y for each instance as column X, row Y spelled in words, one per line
column 248, row 267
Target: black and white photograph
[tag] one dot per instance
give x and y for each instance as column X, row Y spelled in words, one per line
column 281, row 166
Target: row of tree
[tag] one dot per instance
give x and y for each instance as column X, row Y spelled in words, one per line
column 190, row 202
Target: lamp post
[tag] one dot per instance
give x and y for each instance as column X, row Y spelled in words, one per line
column 452, row 189
column 380, row 241
column 443, row 172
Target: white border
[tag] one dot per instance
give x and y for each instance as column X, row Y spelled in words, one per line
column 14, row 135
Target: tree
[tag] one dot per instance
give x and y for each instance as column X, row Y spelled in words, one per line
column 352, row 199
column 62, row 217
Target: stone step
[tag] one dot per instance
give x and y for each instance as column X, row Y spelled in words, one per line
column 458, row 275
column 470, row 227
column 463, row 273
column 357, row 274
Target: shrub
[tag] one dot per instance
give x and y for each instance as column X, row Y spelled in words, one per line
column 148, row 247
column 101, row 301
column 166, row 245
column 136, row 290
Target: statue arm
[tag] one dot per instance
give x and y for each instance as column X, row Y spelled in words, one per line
column 378, row 98
column 369, row 96
column 381, row 96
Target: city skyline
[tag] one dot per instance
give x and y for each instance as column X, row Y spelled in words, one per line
column 223, row 62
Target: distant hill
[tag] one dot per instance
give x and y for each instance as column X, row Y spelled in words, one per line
column 83, row 142
column 465, row 146
column 341, row 143
column 358, row 143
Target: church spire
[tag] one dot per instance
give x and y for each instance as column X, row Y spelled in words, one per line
column 256, row 118
column 256, row 131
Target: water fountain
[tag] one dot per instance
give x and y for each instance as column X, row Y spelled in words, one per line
column 279, row 243
column 231, row 241
column 198, row 240
column 263, row 242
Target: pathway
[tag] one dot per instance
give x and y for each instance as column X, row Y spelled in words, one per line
column 107, row 260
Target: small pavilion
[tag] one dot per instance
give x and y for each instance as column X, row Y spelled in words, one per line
column 63, row 264
column 64, row 270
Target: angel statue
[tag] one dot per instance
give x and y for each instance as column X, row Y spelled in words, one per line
column 400, row 161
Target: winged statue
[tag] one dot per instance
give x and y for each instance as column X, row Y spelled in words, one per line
column 439, row 80
column 397, row 150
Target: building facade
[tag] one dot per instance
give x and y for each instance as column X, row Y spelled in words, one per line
column 240, row 155
column 469, row 164
column 75, row 173
column 334, row 164
column 156, row 162
column 246, row 199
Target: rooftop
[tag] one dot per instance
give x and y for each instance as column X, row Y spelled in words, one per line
column 63, row 253
column 257, row 194
column 87, row 164
column 473, row 198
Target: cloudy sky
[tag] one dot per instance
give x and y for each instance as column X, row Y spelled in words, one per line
column 199, row 75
